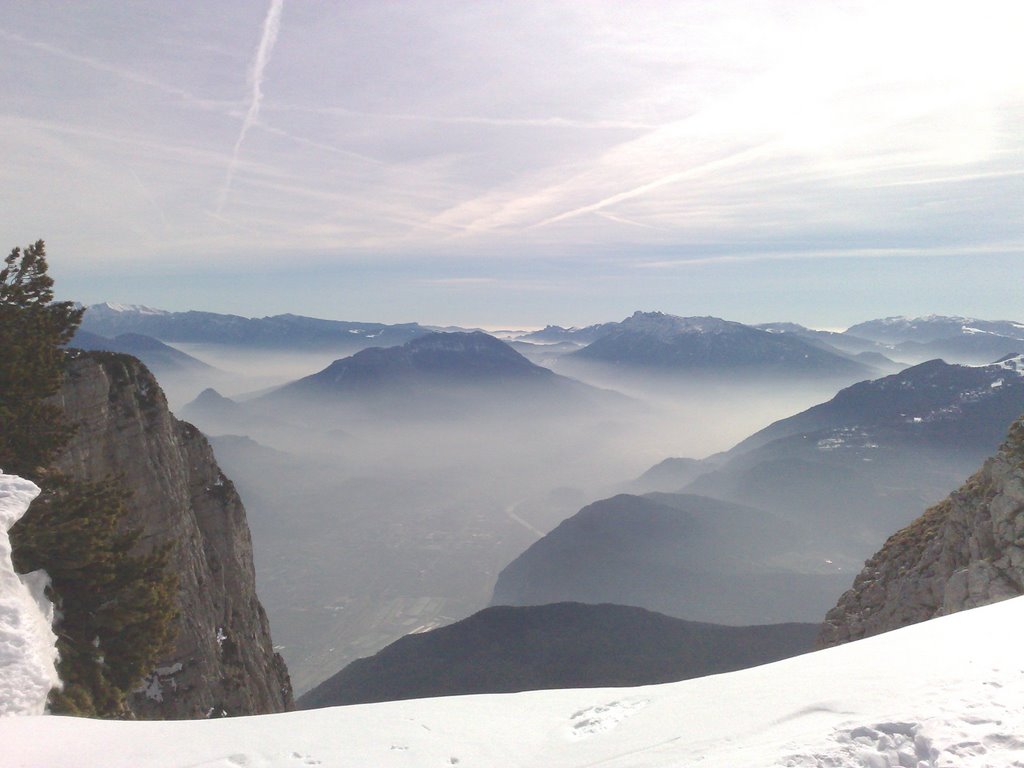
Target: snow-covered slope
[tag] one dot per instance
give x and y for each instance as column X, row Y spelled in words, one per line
column 948, row 692
column 27, row 643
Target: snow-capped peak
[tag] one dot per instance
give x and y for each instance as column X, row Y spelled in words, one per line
column 1012, row 363
column 141, row 309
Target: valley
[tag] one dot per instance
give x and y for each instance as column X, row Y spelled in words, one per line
column 393, row 507
column 546, row 384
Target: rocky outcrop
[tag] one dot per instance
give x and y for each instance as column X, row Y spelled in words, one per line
column 223, row 662
column 964, row 552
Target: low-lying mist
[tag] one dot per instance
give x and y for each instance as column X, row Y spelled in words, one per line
column 240, row 372
column 375, row 516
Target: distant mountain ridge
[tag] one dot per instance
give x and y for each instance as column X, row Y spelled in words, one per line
column 865, row 351
column 286, row 331
column 894, row 330
column 955, row 339
column 157, row 356
column 564, row 645
column 552, row 334
column 657, row 340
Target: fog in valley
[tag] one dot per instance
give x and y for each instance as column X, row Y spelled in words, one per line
column 238, row 372
column 378, row 514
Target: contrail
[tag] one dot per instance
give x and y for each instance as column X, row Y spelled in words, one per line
column 271, row 24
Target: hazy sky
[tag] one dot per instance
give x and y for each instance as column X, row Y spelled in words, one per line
column 520, row 163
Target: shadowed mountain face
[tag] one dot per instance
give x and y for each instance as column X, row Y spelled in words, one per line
column 445, row 359
column 709, row 344
column 440, row 374
column 566, row 645
column 670, row 475
column 684, row 555
column 866, row 462
column 933, row 403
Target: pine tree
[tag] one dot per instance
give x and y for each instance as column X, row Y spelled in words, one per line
column 33, row 332
column 116, row 607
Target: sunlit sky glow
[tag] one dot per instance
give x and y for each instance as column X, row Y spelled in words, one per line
column 521, row 163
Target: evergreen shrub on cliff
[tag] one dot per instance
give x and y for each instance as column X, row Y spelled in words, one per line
column 33, row 331
column 116, row 608
column 115, row 603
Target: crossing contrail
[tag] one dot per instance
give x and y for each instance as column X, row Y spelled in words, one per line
column 271, row 25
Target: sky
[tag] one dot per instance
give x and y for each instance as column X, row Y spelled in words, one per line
column 518, row 164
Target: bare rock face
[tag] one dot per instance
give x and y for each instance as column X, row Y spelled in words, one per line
column 223, row 662
column 964, row 552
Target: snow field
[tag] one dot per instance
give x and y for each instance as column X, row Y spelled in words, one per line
column 949, row 692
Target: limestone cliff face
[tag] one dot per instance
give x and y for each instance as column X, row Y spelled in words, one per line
column 962, row 553
column 223, row 661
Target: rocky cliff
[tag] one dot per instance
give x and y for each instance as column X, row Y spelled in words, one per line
column 964, row 552
column 223, row 662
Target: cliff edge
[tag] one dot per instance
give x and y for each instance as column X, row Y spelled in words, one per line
column 222, row 662
column 964, row 552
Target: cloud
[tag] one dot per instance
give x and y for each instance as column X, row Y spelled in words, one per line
column 922, row 251
column 271, row 25
column 512, row 133
column 121, row 72
column 460, row 281
column 500, row 122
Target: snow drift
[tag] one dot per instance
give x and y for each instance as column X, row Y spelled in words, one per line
column 947, row 692
column 28, row 651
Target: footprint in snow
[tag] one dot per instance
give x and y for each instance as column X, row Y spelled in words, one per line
column 603, row 717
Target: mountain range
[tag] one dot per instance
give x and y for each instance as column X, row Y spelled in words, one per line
column 110, row 319
column 895, row 330
column 867, row 461
column 287, row 331
column 770, row 530
column 437, row 375
column 712, row 345
column 955, row 339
